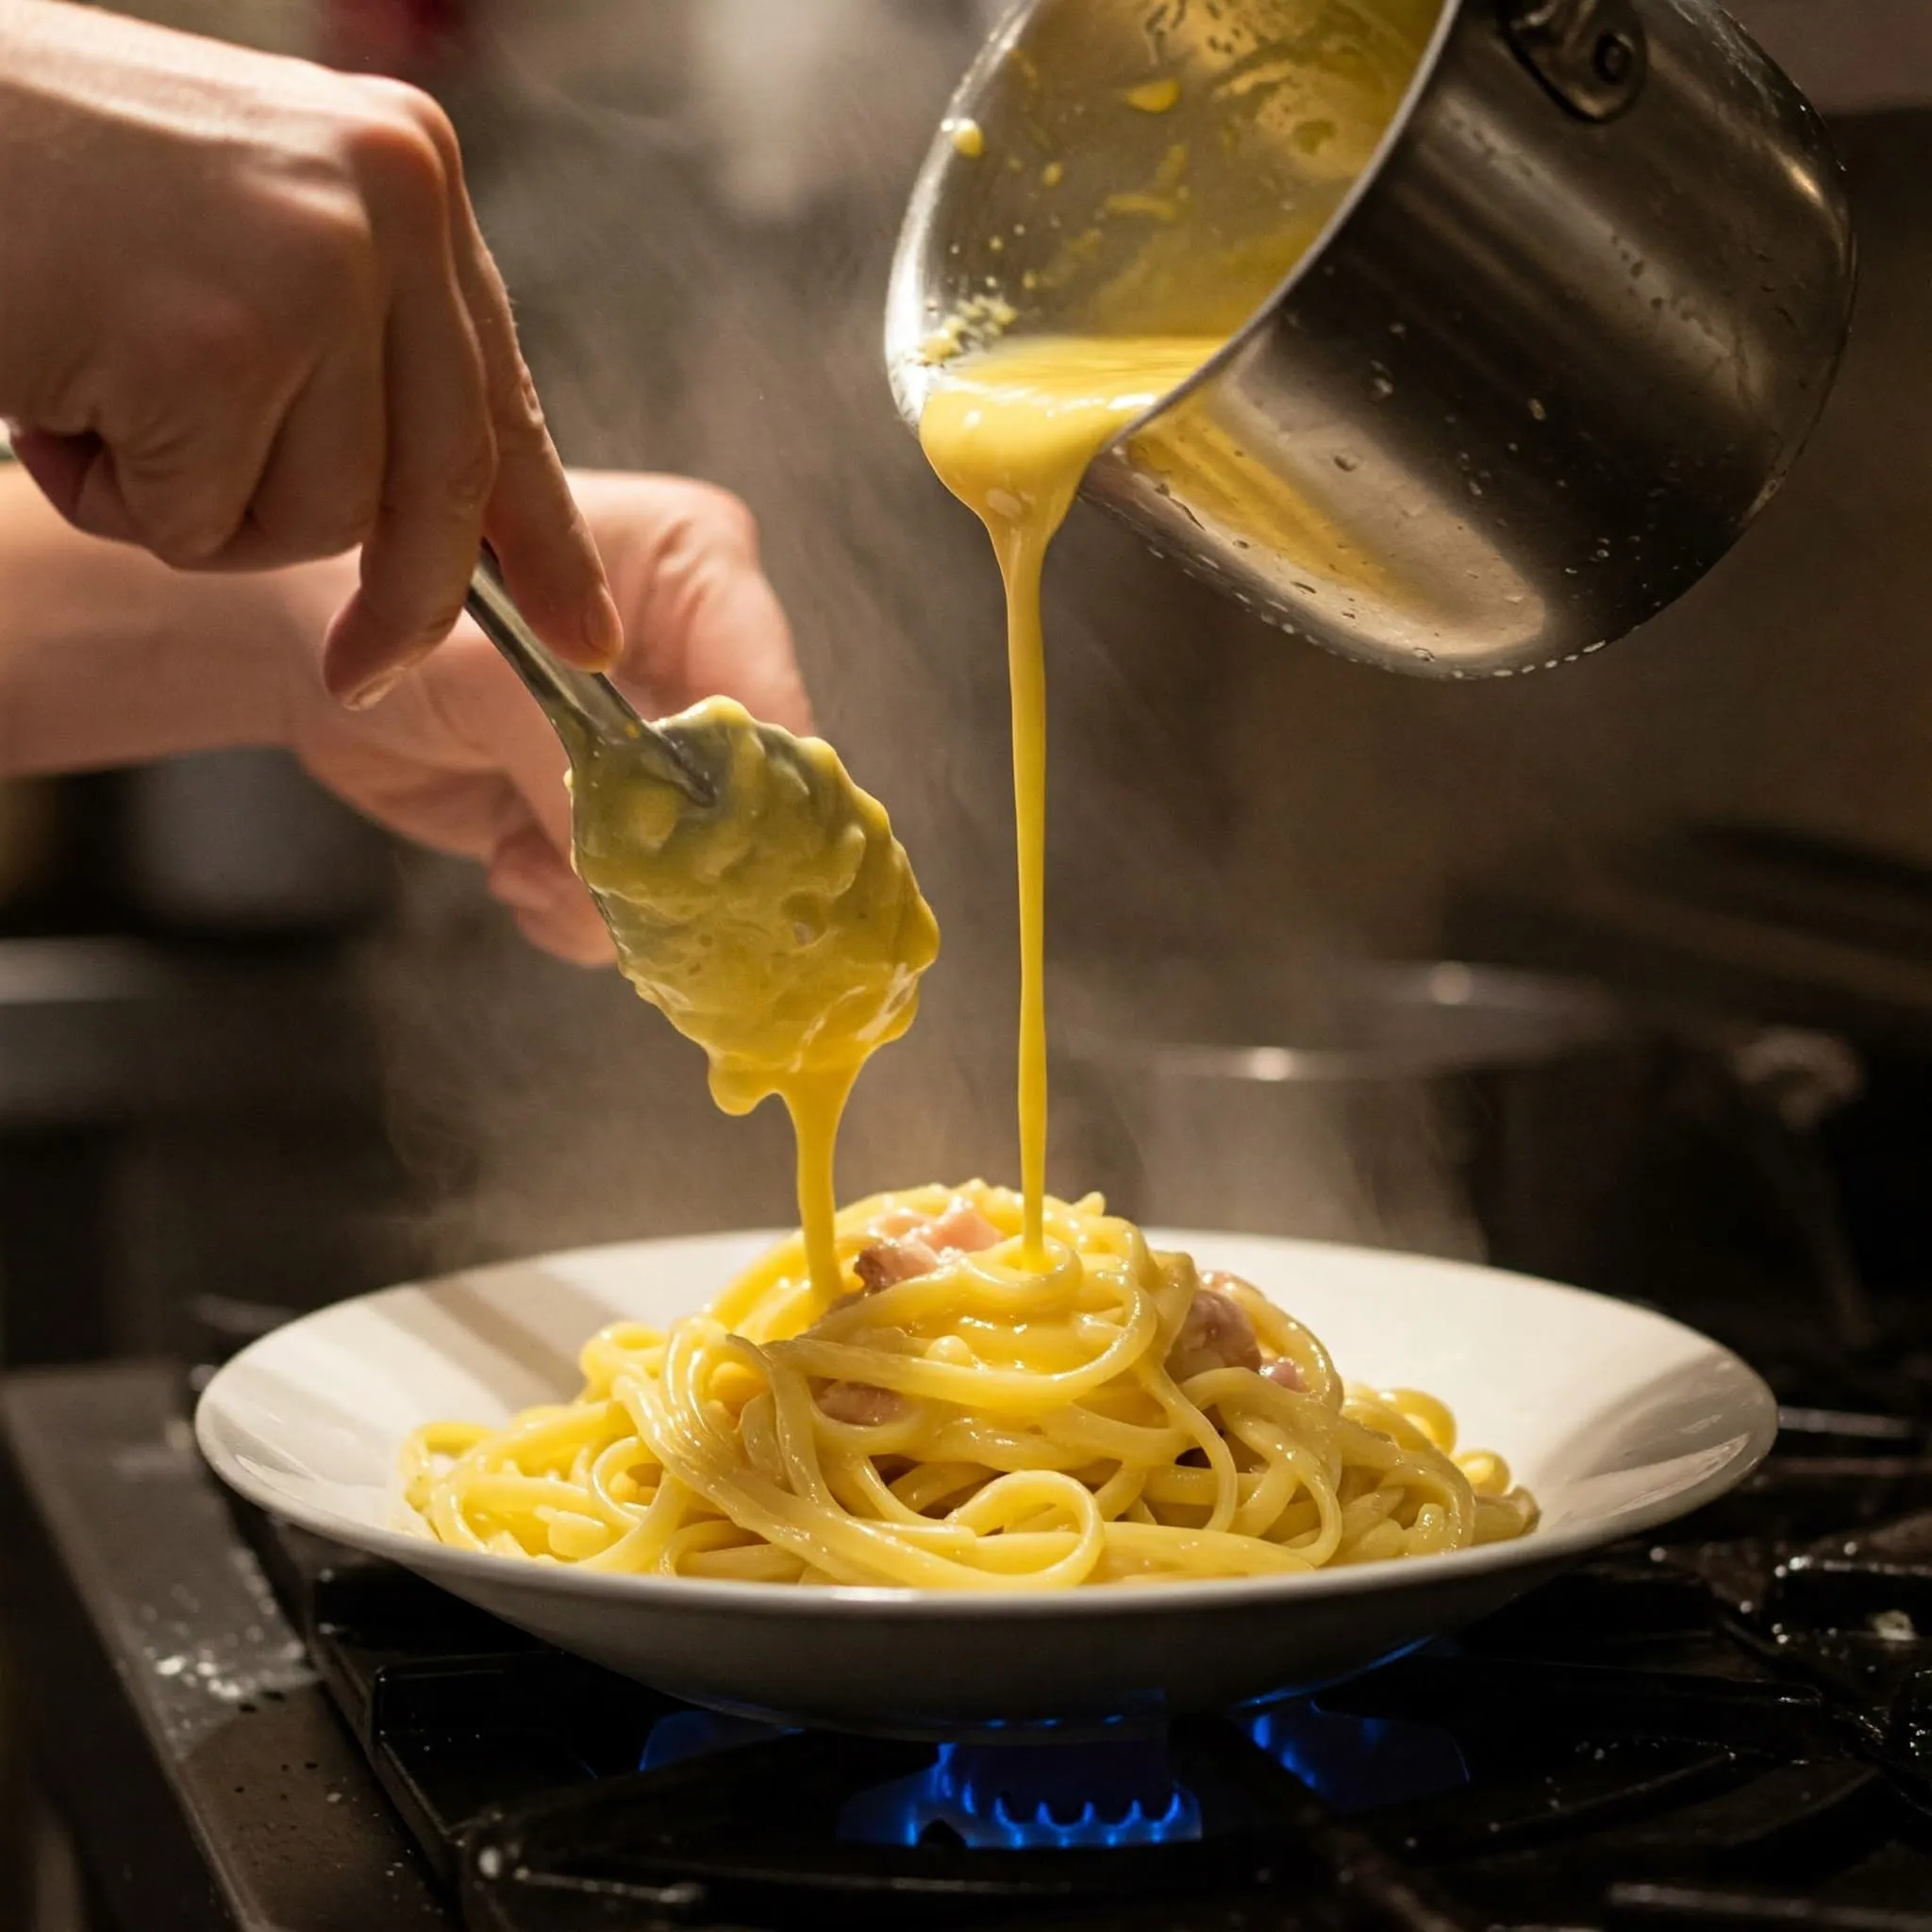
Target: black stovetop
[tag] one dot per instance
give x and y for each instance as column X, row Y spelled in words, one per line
column 1733, row 1728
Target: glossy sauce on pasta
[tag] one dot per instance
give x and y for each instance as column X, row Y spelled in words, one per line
column 1017, row 1392
column 1023, row 1428
column 960, row 1389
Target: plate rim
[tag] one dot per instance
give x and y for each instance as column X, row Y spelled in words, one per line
column 871, row 1602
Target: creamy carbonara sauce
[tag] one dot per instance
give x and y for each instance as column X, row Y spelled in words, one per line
column 782, row 930
column 1009, row 1392
column 967, row 1420
column 1012, row 431
column 966, row 1389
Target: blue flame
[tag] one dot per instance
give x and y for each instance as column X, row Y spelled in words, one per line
column 1357, row 1763
column 1031, row 1798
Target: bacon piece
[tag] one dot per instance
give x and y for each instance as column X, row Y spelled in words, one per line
column 1215, row 1334
column 886, row 1263
column 962, row 1229
column 861, row 1404
column 910, row 1245
column 1283, row 1372
column 895, row 1222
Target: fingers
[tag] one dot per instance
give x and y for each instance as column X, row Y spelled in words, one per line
column 187, row 423
column 186, row 495
column 567, row 940
column 469, row 455
column 186, row 502
column 480, row 714
column 318, row 353
column 550, row 562
column 439, row 469
column 462, row 760
column 322, row 492
column 738, row 641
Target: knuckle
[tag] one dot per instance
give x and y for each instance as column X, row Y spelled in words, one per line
column 410, row 107
column 441, row 616
column 412, row 617
column 398, row 158
column 440, row 132
column 219, row 338
column 331, row 243
column 520, row 408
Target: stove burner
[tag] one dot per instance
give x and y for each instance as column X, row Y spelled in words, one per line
column 1032, row 1797
column 1037, row 1794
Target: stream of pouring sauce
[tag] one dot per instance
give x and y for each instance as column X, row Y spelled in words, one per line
column 1011, row 431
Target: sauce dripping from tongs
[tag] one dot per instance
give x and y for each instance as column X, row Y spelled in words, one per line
column 780, row 928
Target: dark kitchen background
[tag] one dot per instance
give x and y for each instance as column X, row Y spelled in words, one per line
column 254, row 1057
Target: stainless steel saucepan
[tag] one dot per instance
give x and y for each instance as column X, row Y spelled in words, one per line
column 1527, row 306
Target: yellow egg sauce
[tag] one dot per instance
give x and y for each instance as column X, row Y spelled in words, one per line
column 785, row 934
column 1130, row 229
column 782, row 930
column 1011, row 431
column 1156, row 97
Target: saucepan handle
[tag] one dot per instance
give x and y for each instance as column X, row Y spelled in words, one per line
column 1593, row 56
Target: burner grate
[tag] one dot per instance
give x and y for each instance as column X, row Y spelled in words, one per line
column 1731, row 1729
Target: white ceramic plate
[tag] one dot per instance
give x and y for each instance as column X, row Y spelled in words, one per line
column 1617, row 1419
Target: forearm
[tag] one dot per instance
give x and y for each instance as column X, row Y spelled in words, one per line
column 108, row 657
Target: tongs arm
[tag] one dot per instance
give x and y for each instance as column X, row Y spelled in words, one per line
column 576, row 702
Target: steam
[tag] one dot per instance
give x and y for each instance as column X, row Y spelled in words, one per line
column 695, row 204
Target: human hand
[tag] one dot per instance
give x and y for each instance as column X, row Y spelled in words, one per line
column 459, row 758
column 250, row 320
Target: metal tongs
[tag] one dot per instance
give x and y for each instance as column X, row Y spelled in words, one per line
column 579, row 704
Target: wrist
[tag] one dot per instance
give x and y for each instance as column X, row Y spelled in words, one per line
column 108, row 657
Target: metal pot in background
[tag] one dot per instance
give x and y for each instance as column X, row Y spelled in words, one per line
column 1784, row 929
column 1533, row 1122
column 1533, row 302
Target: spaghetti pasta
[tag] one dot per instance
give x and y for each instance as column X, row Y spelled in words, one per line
column 962, row 1420
column 949, row 1389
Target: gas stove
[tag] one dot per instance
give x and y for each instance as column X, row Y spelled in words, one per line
column 245, row 1728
